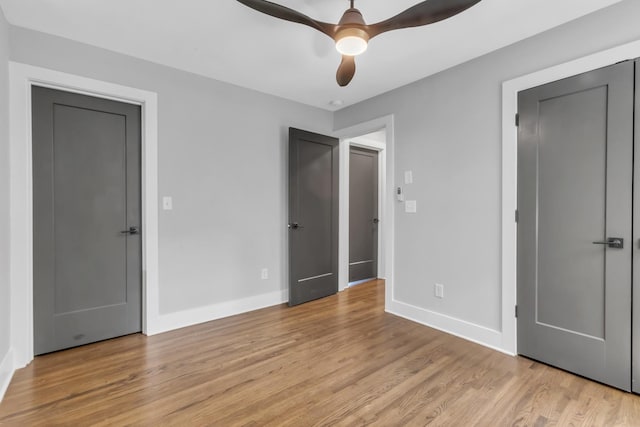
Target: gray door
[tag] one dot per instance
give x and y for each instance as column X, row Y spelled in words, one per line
column 363, row 214
column 575, row 175
column 635, row 245
column 313, row 216
column 86, row 199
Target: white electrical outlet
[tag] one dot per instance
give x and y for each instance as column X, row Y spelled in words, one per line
column 439, row 290
column 264, row 274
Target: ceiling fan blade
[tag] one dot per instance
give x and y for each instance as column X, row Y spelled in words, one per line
column 346, row 70
column 287, row 14
column 424, row 13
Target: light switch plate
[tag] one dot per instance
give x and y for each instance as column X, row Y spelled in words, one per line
column 408, row 177
column 167, row 203
column 410, row 206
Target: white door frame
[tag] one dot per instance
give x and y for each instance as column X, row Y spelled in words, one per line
column 21, row 78
column 510, row 91
column 385, row 203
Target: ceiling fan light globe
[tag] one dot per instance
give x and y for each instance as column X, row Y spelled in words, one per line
column 351, row 45
column 351, row 41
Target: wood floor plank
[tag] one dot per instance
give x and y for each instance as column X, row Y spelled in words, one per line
column 336, row 361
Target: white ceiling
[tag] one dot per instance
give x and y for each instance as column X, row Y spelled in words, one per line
column 227, row 41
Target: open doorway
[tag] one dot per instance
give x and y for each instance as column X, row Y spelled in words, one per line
column 364, row 207
column 347, row 134
column 360, row 135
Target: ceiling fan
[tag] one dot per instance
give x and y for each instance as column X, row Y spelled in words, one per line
column 352, row 34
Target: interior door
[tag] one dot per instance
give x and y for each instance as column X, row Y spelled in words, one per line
column 575, row 175
column 313, row 216
column 86, row 213
column 363, row 214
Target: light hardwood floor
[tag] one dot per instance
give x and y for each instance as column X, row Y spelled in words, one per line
column 336, row 361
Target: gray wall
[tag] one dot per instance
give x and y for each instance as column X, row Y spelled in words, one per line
column 4, row 187
column 448, row 132
column 221, row 157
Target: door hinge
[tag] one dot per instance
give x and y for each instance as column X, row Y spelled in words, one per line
column 516, row 311
column 517, row 119
column 517, row 216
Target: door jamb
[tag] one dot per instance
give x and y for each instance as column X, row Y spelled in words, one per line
column 385, row 201
column 510, row 91
column 22, row 78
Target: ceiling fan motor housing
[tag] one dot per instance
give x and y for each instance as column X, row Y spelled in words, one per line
column 351, row 25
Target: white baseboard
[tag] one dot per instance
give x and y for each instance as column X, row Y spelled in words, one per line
column 181, row 319
column 469, row 331
column 7, row 368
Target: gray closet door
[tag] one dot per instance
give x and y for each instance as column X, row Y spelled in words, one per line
column 575, row 174
column 313, row 216
column 363, row 214
column 86, row 199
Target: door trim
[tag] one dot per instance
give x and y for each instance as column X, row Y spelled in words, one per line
column 21, row 78
column 510, row 91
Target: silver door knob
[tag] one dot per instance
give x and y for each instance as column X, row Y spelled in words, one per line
column 131, row 230
column 612, row 242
